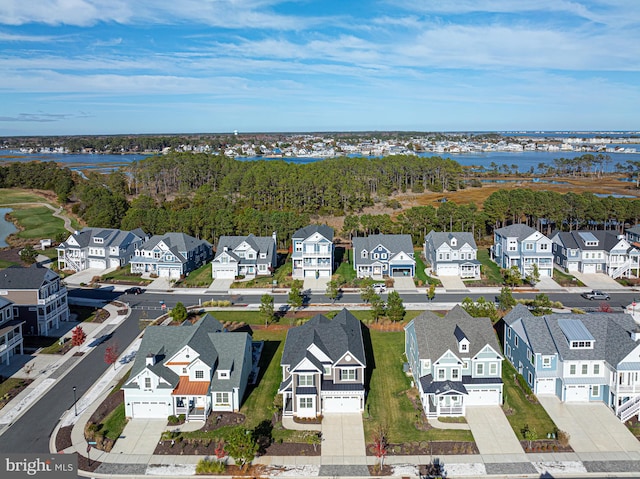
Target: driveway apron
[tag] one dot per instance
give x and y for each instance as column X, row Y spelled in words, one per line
column 592, row 427
column 342, row 438
column 491, row 430
column 140, row 436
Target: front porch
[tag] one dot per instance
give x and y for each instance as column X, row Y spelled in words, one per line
column 438, row 406
column 194, row 408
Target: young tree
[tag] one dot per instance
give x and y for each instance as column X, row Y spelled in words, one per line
column 512, row 276
column 505, row 299
column 534, row 276
column 266, row 309
column 78, row 336
column 380, row 443
column 314, row 438
column 28, row 254
column 295, row 299
column 481, row 308
column 179, row 313
column 241, row 446
column 541, row 305
column 111, row 354
column 431, row 292
column 219, row 450
column 333, row 290
column 377, row 307
column 395, row 307
column 367, row 292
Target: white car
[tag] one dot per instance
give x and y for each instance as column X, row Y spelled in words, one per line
column 379, row 288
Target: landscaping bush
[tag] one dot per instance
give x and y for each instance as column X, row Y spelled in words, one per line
column 209, row 466
column 523, row 385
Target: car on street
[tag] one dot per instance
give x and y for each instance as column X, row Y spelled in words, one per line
column 379, row 288
column 596, row 294
column 134, row 290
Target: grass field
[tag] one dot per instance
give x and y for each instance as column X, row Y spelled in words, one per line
column 490, row 269
column 124, row 275
column 201, row 277
column 37, row 222
column 12, row 195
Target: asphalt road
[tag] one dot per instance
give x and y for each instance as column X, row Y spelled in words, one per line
column 31, row 432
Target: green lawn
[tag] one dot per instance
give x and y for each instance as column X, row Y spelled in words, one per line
column 38, row 222
column 564, row 279
column 364, row 315
column 124, row 275
column 524, row 413
column 14, row 195
column 114, row 423
column 8, row 384
column 199, row 278
column 489, row 269
column 6, row 264
column 388, row 402
column 345, row 270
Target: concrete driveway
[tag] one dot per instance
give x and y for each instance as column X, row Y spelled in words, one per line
column 592, row 427
column 140, row 436
column 491, row 430
column 598, row 281
column 316, row 285
column 86, row 276
column 220, row 285
column 342, row 438
column 452, row 283
column 404, row 283
column 547, row 283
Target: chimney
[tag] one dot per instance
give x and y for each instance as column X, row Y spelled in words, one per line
column 150, row 359
column 275, row 238
column 225, row 249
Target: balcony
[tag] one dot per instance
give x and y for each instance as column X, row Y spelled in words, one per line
column 52, row 297
column 11, row 343
column 627, row 389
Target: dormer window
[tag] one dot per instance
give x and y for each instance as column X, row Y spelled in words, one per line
column 454, row 242
column 199, row 374
column 98, row 240
column 464, row 347
column 581, row 344
column 364, row 253
column 263, row 255
column 223, row 374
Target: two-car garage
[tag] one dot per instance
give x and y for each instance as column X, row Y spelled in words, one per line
column 150, row 410
column 342, row 404
column 483, row 397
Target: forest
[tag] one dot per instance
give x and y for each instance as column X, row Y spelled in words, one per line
column 211, row 195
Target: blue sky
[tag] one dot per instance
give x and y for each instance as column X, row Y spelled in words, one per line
column 180, row 66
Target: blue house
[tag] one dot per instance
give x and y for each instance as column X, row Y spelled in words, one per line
column 455, row 362
column 377, row 256
column 577, row 357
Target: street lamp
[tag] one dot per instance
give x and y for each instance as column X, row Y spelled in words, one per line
column 75, row 401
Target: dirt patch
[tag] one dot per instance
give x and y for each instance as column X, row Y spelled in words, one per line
column 292, row 449
column 10, row 254
column 63, row 438
column 422, row 448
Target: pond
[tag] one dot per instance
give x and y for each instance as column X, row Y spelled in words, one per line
column 6, row 227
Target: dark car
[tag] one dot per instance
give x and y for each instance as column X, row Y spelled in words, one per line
column 134, row 290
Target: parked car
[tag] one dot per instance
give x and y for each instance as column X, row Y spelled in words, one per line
column 379, row 288
column 596, row 294
column 134, row 290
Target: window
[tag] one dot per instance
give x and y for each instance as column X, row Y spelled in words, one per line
column 364, row 253
column 465, row 364
column 464, row 347
column 305, row 380
column 327, row 370
column 530, row 378
column 383, row 255
column 348, row 374
column 263, row 255
column 596, row 369
column 508, row 351
column 375, row 255
column 306, row 403
column 455, row 374
column 98, row 240
column 184, row 370
column 298, row 246
column 595, row 390
column 572, row 369
column 546, row 361
column 581, row 345
column 493, row 369
column 222, row 398
column 528, row 246
column 544, row 246
column 441, row 374
column 585, row 369
column 147, row 383
column 509, row 333
column 479, row 369
column 515, row 341
column 199, row 374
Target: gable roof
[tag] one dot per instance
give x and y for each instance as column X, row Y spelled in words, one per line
column 436, row 239
column 575, row 240
column 110, row 237
column 33, row 277
column 517, row 230
column 307, row 231
column 334, row 337
column 179, row 241
column 206, row 337
column 436, row 335
column 611, row 333
column 394, row 243
column 261, row 244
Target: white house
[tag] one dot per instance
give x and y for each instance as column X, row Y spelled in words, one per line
column 244, row 256
column 452, row 254
column 312, row 252
column 522, row 246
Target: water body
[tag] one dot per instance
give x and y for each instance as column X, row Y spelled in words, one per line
column 524, row 160
column 6, row 227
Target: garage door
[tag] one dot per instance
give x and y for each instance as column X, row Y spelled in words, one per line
column 483, row 397
column 448, row 270
column 578, row 393
column 589, row 268
column 309, row 273
column 401, row 272
column 341, row 404
column 325, row 274
column 97, row 263
column 150, row 410
column 169, row 273
column 225, row 273
column 546, row 386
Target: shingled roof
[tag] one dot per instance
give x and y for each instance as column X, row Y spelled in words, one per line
column 307, row 231
column 334, row 337
column 33, row 277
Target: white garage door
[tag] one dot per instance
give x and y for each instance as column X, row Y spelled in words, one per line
column 325, row 274
column 114, row 263
column 483, row 397
column 448, row 270
column 309, row 273
column 150, row 410
column 589, row 268
column 546, row 386
column 225, row 273
column 97, row 264
column 578, row 393
column 341, row 404
column 169, row 273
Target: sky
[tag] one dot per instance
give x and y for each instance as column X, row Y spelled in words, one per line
column 78, row 67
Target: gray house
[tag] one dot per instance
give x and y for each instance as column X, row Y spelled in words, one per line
column 244, row 256
column 171, row 255
column 10, row 332
column 522, row 246
column 452, row 254
column 323, row 367
column 99, row 248
column 191, row 369
column 595, row 252
column 455, row 362
column 377, row 256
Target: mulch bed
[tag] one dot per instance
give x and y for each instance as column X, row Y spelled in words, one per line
column 101, row 316
column 84, row 464
column 14, row 391
column 545, row 445
column 63, row 439
column 436, row 448
column 376, row 470
column 292, row 449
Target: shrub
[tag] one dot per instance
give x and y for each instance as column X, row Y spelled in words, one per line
column 173, row 419
column 563, row 438
column 208, row 466
column 523, row 385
